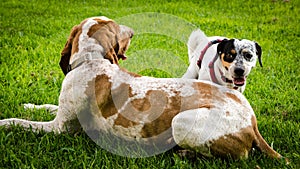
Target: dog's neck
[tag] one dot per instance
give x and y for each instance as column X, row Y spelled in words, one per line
column 82, row 56
column 88, row 47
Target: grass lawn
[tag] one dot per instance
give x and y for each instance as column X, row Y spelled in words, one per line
column 33, row 34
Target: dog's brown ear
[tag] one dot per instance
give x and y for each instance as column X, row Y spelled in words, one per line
column 124, row 41
column 111, row 55
column 258, row 53
column 67, row 51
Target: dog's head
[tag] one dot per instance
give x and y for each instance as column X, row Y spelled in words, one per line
column 97, row 34
column 238, row 58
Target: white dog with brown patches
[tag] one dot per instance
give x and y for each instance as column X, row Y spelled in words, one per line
column 222, row 61
column 97, row 94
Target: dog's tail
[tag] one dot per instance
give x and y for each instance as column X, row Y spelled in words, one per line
column 196, row 40
column 261, row 144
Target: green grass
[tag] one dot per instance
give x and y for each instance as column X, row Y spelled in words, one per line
column 33, row 34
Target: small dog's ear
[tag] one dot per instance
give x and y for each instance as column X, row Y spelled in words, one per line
column 258, row 53
column 221, row 46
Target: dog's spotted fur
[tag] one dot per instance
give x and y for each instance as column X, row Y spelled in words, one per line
column 97, row 95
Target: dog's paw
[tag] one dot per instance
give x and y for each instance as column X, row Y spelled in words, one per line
column 28, row 106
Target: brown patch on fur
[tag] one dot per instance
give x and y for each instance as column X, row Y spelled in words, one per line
column 102, row 88
column 154, row 111
column 234, row 97
column 104, row 97
column 125, row 122
column 108, row 109
column 145, row 109
column 227, row 113
column 107, row 35
column 105, row 32
column 117, row 99
column 224, row 63
column 206, row 89
column 163, row 122
column 233, row 52
column 70, row 48
column 245, row 50
column 237, row 145
column 134, row 111
column 141, row 104
column 206, row 94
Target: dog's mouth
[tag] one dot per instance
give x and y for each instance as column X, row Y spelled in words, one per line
column 123, row 57
column 239, row 81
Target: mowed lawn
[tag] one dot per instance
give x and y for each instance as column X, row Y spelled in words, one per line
column 33, row 33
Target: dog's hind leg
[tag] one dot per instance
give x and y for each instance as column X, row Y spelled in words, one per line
column 49, row 107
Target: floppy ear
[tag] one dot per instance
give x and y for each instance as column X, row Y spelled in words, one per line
column 221, row 46
column 111, row 55
column 258, row 52
column 124, row 41
column 112, row 46
column 67, row 51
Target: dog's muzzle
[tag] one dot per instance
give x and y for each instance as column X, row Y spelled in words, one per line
column 239, row 78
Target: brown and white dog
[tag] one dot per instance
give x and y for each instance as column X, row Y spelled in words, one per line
column 222, row 61
column 96, row 94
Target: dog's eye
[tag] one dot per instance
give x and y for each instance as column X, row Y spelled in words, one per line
column 229, row 57
column 247, row 56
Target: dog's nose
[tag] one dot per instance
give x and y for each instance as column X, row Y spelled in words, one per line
column 239, row 71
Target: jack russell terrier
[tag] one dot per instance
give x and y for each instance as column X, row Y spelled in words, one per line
column 226, row 62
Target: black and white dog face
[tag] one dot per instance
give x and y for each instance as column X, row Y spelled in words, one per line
column 238, row 58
